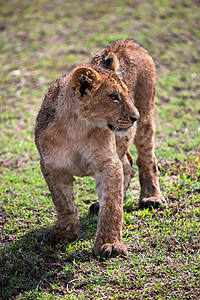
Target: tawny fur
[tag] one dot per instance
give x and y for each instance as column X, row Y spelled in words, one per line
column 87, row 122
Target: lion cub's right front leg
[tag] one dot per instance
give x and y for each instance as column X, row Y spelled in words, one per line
column 109, row 185
column 60, row 184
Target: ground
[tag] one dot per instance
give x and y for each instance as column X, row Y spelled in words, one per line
column 43, row 39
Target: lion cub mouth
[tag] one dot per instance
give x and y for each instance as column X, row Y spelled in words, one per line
column 117, row 130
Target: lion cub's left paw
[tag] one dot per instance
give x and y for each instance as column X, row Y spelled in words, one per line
column 55, row 234
column 111, row 250
column 152, row 202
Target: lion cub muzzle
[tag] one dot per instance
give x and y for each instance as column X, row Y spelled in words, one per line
column 122, row 125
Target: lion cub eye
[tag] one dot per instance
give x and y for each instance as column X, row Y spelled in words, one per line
column 114, row 98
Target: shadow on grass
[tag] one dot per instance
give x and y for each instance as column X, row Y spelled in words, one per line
column 30, row 265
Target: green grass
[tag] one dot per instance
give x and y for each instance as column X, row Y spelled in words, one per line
column 42, row 40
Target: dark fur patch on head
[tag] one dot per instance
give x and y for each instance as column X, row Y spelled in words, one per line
column 84, row 86
column 85, row 81
column 106, row 62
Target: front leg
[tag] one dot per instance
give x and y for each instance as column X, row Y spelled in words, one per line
column 109, row 185
column 60, row 184
column 150, row 195
column 127, row 162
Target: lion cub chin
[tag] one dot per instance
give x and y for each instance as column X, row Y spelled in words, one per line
column 86, row 124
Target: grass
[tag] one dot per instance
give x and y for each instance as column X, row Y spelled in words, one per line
column 40, row 41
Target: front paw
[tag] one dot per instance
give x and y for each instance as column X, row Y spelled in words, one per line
column 152, row 202
column 55, row 234
column 110, row 250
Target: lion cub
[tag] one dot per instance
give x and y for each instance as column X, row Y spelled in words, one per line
column 86, row 124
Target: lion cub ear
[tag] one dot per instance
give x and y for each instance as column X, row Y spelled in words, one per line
column 84, row 79
column 111, row 62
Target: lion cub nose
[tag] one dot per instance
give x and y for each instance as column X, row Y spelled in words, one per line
column 133, row 119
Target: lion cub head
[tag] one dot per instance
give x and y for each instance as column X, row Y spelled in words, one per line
column 103, row 98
